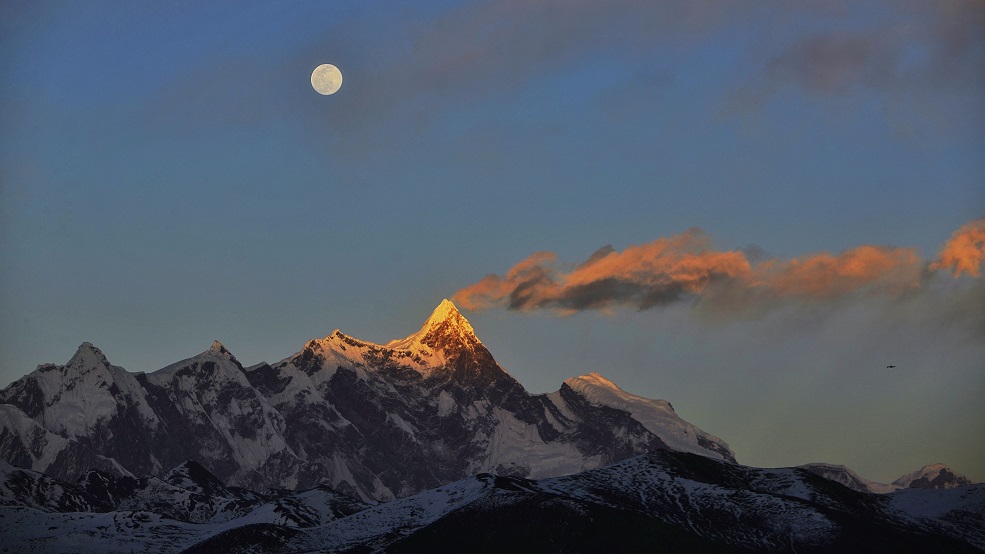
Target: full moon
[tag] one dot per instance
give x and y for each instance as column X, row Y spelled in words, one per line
column 326, row 79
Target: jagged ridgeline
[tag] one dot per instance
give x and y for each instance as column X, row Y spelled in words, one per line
column 374, row 421
column 420, row 444
column 663, row 500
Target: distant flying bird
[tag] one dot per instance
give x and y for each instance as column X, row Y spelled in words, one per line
column 890, row 366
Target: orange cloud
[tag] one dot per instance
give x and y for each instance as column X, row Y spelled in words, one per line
column 656, row 273
column 964, row 251
column 522, row 282
column 685, row 267
column 826, row 275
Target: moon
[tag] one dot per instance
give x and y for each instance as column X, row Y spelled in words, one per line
column 326, row 79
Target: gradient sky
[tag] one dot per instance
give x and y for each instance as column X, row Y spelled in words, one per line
column 169, row 177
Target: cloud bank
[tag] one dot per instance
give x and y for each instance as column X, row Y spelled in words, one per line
column 685, row 267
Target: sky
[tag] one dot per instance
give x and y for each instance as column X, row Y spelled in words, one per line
column 747, row 209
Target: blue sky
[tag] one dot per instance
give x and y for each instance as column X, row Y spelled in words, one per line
column 168, row 177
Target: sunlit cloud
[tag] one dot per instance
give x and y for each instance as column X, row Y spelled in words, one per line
column 964, row 252
column 685, row 267
column 876, row 268
column 657, row 273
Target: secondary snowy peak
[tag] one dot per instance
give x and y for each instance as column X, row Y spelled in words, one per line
column 934, row 476
column 446, row 328
column 87, row 357
column 70, row 401
column 847, row 477
column 217, row 349
column 593, row 379
column 216, row 358
column 657, row 416
column 445, row 339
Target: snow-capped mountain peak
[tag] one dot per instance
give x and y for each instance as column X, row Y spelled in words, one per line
column 217, row 349
column 597, row 380
column 841, row 474
column 446, row 309
column 446, row 328
column 87, row 357
column 436, row 402
column 933, row 476
column 216, row 358
column 657, row 416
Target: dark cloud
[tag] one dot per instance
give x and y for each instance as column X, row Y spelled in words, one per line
column 755, row 253
column 482, row 50
column 933, row 45
column 488, row 52
column 597, row 255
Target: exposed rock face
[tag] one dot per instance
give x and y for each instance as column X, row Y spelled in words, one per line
column 373, row 421
column 188, row 493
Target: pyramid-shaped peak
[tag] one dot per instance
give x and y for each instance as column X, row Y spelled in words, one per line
column 88, row 356
column 447, row 316
column 217, row 349
column 445, row 326
column 446, row 310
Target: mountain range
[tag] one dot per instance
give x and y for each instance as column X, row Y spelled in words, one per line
column 349, row 444
column 671, row 500
column 374, row 421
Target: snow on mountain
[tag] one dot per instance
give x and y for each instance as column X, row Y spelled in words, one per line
column 209, row 398
column 73, row 399
column 680, row 501
column 104, row 513
column 441, row 373
column 959, row 511
column 376, row 526
column 375, row 421
column 445, row 327
column 657, row 416
column 25, row 443
column 349, row 423
column 688, row 503
column 934, row 476
column 23, row 487
column 849, row 478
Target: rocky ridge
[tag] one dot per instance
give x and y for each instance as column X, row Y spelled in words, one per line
column 374, row 421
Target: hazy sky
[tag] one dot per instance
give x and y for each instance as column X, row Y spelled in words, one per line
column 739, row 207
